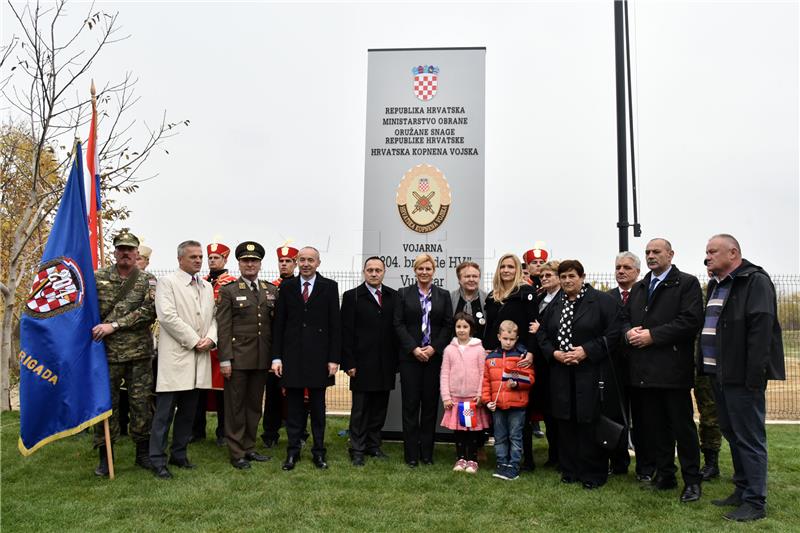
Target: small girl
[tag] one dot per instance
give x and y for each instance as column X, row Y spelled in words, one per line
column 460, row 382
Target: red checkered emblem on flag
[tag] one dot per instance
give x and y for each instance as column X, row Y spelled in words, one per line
column 425, row 86
column 56, row 286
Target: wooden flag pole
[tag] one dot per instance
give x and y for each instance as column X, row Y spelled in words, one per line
column 109, row 455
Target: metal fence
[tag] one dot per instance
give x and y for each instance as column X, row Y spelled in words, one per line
column 783, row 397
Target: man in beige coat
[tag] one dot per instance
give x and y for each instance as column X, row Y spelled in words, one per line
column 185, row 309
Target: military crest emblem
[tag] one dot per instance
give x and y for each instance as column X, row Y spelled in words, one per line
column 423, row 198
column 426, row 81
column 57, row 286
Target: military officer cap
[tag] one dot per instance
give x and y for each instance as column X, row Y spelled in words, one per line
column 126, row 238
column 249, row 249
column 287, row 251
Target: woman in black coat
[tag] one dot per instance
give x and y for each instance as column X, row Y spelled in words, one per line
column 423, row 322
column 575, row 333
column 513, row 299
column 549, row 292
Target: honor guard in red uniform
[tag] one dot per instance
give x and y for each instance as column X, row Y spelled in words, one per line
column 218, row 276
column 533, row 259
column 274, row 400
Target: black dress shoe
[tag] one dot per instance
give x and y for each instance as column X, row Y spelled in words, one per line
column 568, row 479
column 182, row 463
column 691, row 493
column 221, row 442
column 734, row 500
column 241, row 463
column 745, row 513
column 357, row 460
column 413, row 463
column 377, row 454
column 257, row 457
column 644, row 478
column 591, row 485
column 660, row 483
column 268, row 442
column 319, row 462
column 428, row 461
column 290, row 462
column 161, row 472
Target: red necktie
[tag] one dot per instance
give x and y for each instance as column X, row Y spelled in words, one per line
column 380, row 298
column 625, row 295
column 305, row 291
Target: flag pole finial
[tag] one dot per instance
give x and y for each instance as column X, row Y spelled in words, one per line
column 92, row 89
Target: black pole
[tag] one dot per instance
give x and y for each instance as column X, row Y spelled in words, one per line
column 622, row 163
column 637, row 228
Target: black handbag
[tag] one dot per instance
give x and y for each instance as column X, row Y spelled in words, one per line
column 607, row 432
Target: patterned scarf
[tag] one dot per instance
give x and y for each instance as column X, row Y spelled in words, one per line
column 565, row 323
column 468, row 301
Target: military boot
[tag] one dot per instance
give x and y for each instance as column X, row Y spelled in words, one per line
column 102, row 467
column 143, row 455
column 710, row 469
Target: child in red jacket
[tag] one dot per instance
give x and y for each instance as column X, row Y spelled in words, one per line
column 505, row 393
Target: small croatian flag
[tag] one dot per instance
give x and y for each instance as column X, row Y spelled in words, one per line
column 516, row 376
column 466, row 414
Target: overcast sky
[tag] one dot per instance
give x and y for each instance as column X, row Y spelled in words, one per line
column 276, row 95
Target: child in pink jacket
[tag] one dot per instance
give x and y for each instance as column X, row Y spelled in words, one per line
column 460, row 384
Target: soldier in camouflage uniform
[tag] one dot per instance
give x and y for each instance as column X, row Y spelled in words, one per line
column 710, row 434
column 127, row 310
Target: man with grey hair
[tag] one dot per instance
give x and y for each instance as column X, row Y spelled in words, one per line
column 627, row 267
column 741, row 348
column 185, row 309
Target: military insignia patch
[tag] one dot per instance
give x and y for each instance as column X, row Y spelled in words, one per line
column 57, row 287
column 426, row 81
column 423, row 198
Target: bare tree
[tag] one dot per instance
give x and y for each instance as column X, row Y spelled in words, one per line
column 44, row 82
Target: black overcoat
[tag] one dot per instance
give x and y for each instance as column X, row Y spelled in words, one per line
column 674, row 316
column 307, row 335
column 369, row 343
column 595, row 327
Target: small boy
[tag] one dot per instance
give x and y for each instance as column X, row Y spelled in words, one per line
column 505, row 393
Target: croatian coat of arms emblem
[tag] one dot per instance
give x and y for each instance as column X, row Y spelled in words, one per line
column 426, row 81
column 58, row 285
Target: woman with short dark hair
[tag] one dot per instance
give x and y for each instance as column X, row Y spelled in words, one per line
column 576, row 332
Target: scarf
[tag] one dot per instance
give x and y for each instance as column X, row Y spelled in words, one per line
column 565, row 322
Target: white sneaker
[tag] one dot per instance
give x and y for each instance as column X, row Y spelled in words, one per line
column 472, row 467
column 460, row 465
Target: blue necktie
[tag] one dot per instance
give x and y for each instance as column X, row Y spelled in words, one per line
column 653, row 283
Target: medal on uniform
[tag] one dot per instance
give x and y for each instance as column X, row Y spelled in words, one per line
column 481, row 320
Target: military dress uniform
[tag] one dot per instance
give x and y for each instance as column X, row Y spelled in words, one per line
column 129, row 348
column 244, row 320
column 213, row 400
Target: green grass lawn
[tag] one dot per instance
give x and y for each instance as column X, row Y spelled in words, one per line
column 56, row 490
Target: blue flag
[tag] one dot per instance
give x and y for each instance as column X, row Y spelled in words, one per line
column 64, row 384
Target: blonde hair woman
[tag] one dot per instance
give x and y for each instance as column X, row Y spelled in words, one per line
column 513, row 299
column 423, row 322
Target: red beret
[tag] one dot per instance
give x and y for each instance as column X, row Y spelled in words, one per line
column 534, row 253
column 287, row 251
column 218, row 248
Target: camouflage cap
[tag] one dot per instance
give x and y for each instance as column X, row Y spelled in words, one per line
column 126, row 238
column 145, row 251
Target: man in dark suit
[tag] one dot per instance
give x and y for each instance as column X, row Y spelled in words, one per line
column 616, row 402
column 663, row 316
column 423, row 334
column 244, row 322
column 305, row 351
column 369, row 356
